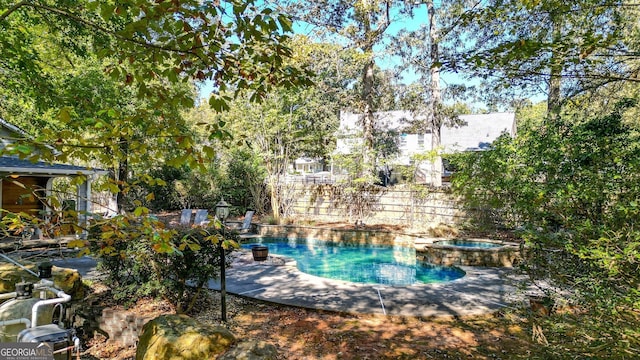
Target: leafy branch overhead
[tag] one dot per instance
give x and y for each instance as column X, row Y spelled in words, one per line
column 150, row 52
column 568, row 47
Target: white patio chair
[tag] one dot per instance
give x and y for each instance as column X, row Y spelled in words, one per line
column 246, row 223
column 185, row 217
column 201, row 217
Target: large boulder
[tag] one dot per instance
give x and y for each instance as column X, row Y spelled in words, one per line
column 180, row 337
column 68, row 280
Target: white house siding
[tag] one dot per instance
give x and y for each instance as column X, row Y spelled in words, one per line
column 475, row 133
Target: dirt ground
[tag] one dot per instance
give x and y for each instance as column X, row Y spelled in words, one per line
column 301, row 333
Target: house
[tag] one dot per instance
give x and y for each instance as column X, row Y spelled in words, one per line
column 475, row 133
column 306, row 165
column 23, row 183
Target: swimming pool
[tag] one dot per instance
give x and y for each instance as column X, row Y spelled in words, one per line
column 370, row 264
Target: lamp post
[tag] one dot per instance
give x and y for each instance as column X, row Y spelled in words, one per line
column 222, row 211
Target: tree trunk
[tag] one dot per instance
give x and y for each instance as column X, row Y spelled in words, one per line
column 436, row 101
column 368, row 120
column 555, row 72
column 123, row 173
column 275, row 196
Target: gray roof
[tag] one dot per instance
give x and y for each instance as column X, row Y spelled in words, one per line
column 478, row 132
column 13, row 165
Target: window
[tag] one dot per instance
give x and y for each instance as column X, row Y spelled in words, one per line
column 420, row 141
column 403, row 140
column 448, row 170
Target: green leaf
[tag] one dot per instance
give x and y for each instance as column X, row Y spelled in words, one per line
column 24, row 149
column 194, row 246
column 285, row 23
column 77, row 243
column 209, row 152
column 106, row 10
column 218, row 104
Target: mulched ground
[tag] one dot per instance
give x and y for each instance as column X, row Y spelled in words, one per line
column 300, row 333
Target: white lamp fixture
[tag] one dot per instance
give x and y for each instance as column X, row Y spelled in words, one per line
column 222, row 210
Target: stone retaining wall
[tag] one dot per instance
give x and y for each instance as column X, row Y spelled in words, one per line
column 507, row 255
column 393, row 205
column 336, row 235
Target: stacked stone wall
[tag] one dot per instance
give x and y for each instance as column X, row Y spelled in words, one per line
column 393, row 205
column 337, row 235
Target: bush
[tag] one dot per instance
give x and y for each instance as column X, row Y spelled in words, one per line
column 171, row 188
column 237, row 177
column 142, row 258
column 572, row 187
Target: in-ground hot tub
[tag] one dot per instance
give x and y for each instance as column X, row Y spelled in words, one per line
column 470, row 252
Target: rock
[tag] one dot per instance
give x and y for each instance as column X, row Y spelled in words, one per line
column 182, row 338
column 68, row 280
column 251, row 350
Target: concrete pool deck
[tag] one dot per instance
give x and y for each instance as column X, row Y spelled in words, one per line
column 480, row 291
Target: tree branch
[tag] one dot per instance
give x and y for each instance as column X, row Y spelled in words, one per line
column 12, row 9
column 97, row 27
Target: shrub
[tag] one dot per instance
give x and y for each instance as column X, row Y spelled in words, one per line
column 142, row 258
column 270, row 220
column 573, row 188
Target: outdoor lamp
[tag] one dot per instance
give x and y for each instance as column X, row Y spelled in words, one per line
column 222, row 211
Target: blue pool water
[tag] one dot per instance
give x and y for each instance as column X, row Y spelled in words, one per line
column 468, row 244
column 377, row 264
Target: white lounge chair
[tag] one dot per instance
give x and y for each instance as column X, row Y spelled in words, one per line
column 201, row 217
column 246, row 223
column 185, row 217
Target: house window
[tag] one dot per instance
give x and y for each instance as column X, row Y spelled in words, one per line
column 420, row 141
column 403, row 140
column 448, row 169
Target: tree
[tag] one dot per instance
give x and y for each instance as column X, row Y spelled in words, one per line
column 362, row 24
column 150, row 53
column 336, row 87
column 560, row 48
column 147, row 47
column 301, row 123
column 573, row 191
column 421, row 54
column 144, row 48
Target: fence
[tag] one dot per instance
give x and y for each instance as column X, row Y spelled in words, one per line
column 316, row 178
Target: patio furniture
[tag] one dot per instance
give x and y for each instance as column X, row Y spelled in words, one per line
column 246, row 223
column 201, row 217
column 185, row 217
